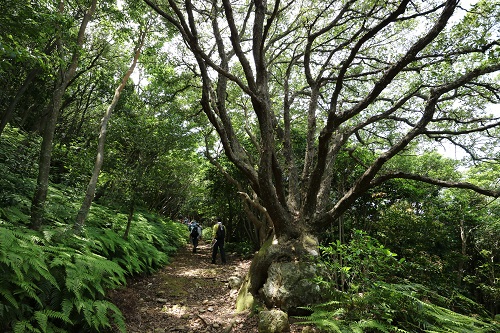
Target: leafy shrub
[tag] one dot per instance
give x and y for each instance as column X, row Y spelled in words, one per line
column 207, row 233
column 359, row 264
column 242, row 248
column 367, row 296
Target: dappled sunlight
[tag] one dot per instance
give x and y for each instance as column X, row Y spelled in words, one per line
column 189, row 295
column 212, row 271
column 197, row 272
column 175, row 310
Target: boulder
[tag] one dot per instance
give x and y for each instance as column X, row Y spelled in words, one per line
column 234, row 282
column 273, row 321
column 290, row 285
column 282, row 276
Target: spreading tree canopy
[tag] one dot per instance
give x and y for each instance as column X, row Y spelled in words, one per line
column 290, row 86
column 298, row 90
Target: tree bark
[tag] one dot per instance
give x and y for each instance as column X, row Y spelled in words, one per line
column 89, row 195
column 130, row 217
column 326, row 55
column 64, row 78
column 463, row 252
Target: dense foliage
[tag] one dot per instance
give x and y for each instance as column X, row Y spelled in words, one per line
column 334, row 133
column 370, row 291
column 55, row 280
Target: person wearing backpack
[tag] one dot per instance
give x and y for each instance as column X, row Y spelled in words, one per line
column 219, row 232
column 194, row 234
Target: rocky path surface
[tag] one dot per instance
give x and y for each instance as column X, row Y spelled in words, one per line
column 190, row 295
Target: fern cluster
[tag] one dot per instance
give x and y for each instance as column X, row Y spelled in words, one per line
column 148, row 246
column 46, row 287
column 56, row 281
column 405, row 308
column 366, row 296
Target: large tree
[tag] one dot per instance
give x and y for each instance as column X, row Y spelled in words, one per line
column 289, row 86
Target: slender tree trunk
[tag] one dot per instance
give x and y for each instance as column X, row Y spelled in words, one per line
column 40, row 196
column 130, row 217
column 461, row 263
column 7, row 114
column 89, row 196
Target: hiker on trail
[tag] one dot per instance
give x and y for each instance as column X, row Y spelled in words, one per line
column 194, row 234
column 219, row 232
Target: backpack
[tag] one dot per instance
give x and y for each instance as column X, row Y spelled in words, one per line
column 221, row 231
column 195, row 231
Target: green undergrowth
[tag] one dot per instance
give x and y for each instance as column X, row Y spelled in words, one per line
column 367, row 293
column 404, row 308
column 241, row 248
column 56, row 280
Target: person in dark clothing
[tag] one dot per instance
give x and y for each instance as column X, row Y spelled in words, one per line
column 219, row 232
column 194, row 234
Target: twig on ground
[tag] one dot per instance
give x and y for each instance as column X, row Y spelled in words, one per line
column 203, row 320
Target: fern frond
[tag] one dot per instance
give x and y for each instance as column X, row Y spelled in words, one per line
column 24, row 326
column 7, row 294
column 47, row 314
column 40, row 266
column 31, row 289
column 97, row 314
column 327, row 320
column 432, row 316
column 118, row 318
column 374, row 324
column 67, row 306
column 100, row 318
column 41, row 319
column 86, row 307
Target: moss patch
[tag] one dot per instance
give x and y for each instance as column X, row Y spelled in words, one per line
column 245, row 299
column 173, row 286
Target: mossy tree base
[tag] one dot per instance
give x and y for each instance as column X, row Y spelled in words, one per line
column 281, row 274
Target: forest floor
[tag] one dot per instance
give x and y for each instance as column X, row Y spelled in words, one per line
column 190, row 295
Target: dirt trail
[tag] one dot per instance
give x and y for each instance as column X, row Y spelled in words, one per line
column 190, row 295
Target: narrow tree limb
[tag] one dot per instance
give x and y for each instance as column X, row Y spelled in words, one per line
column 443, row 183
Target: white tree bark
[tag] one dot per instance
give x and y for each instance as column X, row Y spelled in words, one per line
column 91, row 188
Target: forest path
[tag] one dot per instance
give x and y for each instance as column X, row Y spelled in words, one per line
column 189, row 295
